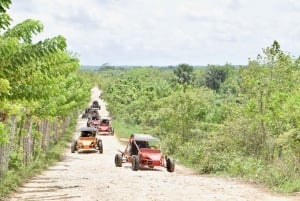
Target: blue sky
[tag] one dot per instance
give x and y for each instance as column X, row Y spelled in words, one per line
column 166, row 32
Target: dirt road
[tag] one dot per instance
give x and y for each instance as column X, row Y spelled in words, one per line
column 93, row 176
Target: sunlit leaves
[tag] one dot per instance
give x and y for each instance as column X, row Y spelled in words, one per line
column 3, row 135
column 4, row 21
column 4, row 18
column 4, row 5
column 42, row 75
column 4, row 86
column 131, row 93
column 8, row 48
column 25, row 30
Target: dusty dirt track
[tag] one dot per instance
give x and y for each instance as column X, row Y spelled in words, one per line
column 93, row 176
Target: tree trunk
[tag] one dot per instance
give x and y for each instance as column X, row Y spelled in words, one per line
column 28, row 142
column 6, row 147
column 45, row 137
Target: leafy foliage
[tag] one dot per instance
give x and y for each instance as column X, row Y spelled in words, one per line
column 3, row 135
column 4, row 18
column 215, row 76
column 4, row 4
column 41, row 92
column 249, row 128
column 184, row 74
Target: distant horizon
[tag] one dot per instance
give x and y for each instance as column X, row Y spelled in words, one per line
column 83, row 65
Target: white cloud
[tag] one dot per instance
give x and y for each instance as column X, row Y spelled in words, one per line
column 169, row 32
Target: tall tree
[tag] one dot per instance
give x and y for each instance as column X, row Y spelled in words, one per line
column 184, row 74
column 215, row 76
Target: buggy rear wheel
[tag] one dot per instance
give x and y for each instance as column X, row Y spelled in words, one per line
column 73, row 146
column 170, row 165
column 118, row 160
column 135, row 163
column 100, row 146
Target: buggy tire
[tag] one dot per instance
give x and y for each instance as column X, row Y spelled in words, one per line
column 112, row 131
column 100, row 146
column 118, row 160
column 73, row 146
column 170, row 165
column 135, row 163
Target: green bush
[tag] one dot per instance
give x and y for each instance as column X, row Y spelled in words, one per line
column 124, row 130
column 15, row 160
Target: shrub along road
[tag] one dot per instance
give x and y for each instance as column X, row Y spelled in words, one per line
column 93, row 176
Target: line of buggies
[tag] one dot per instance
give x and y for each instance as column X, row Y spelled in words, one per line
column 141, row 151
column 89, row 137
column 103, row 124
column 95, row 106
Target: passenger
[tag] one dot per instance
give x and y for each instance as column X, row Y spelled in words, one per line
column 134, row 149
column 84, row 134
column 132, row 146
column 143, row 144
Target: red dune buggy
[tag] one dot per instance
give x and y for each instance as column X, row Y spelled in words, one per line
column 104, row 126
column 94, row 122
column 93, row 118
column 143, row 150
column 87, row 141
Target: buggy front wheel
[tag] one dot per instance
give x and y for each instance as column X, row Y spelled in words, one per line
column 118, row 160
column 100, row 147
column 73, row 146
column 170, row 165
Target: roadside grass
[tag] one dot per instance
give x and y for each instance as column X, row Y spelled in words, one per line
column 279, row 176
column 123, row 130
column 290, row 186
column 15, row 177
